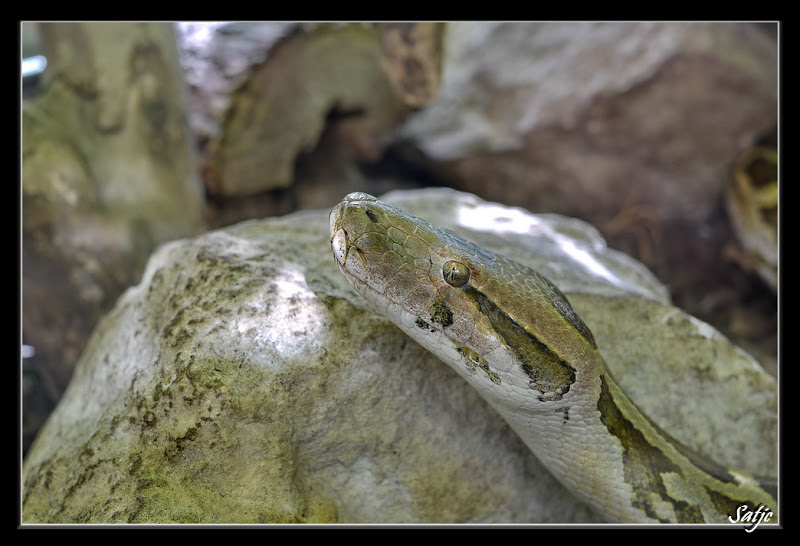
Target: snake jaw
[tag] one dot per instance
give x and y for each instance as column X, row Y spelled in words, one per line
column 339, row 246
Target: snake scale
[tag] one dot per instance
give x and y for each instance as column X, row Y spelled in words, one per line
column 515, row 338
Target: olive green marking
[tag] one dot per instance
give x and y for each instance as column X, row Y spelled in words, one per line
column 473, row 360
column 560, row 301
column 725, row 504
column 549, row 374
column 709, row 467
column 441, row 313
column 643, row 462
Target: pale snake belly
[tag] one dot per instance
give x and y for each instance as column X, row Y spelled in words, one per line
column 514, row 337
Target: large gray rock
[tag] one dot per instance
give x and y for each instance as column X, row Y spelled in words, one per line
column 109, row 172
column 618, row 113
column 244, row 381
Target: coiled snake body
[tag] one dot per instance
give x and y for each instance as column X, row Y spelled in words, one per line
column 513, row 336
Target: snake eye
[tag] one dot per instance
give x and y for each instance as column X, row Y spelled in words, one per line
column 455, row 273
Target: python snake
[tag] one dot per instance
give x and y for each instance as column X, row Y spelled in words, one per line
column 514, row 337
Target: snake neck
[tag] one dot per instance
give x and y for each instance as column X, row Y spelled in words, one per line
column 607, row 452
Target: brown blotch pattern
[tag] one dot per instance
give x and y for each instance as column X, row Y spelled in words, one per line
column 643, row 462
column 548, row 373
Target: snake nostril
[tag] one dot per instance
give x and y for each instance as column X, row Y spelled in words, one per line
column 372, row 216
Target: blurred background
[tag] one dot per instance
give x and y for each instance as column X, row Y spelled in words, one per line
column 661, row 135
